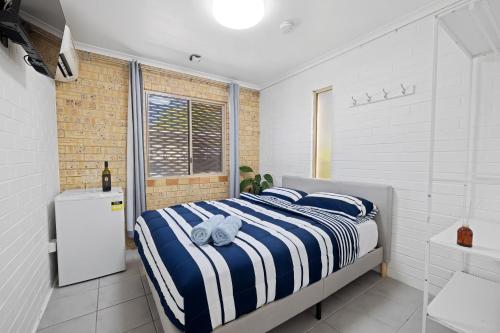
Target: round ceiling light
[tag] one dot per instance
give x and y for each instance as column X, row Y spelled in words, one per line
column 238, row 14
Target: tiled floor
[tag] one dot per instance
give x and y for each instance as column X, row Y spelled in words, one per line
column 123, row 303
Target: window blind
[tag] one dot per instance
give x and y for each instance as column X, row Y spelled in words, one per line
column 168, row 136
column 184, row 137
column 206, row 134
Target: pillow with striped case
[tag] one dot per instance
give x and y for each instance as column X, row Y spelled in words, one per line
column 284, row 193
column 367, row 217
column 341, row 204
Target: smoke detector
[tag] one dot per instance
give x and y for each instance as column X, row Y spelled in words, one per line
column 287, row 26
column 196, row 58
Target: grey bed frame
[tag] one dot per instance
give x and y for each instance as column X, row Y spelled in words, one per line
column 273, row 314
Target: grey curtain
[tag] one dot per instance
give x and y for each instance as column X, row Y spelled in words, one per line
column 234, row 154
column 136, row 187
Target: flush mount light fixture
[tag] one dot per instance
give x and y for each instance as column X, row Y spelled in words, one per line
column 238, row 14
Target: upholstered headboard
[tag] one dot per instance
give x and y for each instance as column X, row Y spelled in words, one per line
column 379, row 194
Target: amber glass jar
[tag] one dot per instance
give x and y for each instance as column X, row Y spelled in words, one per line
column 464, row 236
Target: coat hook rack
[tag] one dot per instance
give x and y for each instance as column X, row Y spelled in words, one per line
column 385, row 96
column 368, row 98
column 385, row 92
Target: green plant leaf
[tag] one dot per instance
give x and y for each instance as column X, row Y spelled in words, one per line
column 269, row 179
column 245, row 183
column 245, row 169
column 258, row 179
column 255, row 186
column 265, row 185
column 256, row 189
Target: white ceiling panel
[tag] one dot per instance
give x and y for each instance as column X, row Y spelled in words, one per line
column 170, row 30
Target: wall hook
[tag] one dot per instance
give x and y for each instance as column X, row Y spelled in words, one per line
column 386, row 93
column 354, row 101
column 403, row 89
column 368, row 98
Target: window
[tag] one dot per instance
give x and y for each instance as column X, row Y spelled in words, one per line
column 322, row 134
column 184, row 136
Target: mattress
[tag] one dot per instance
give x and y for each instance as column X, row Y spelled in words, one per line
column 279, row 250
column 368, row 237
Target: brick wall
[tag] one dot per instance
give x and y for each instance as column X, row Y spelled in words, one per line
column 92, row 122
column 28, row 184
column 249, row 128
column 167, row 191
column 92, row 125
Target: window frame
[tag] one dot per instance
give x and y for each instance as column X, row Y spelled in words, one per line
column 316, row 94
column 223, row 106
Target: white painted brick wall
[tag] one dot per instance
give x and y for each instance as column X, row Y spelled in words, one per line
column 388, row 142
column 29, row 181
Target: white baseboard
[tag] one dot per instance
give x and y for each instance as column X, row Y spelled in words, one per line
column 44, row 306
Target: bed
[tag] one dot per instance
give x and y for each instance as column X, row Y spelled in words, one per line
column 282, row 262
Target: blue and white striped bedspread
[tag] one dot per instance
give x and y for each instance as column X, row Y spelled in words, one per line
column 278, row 251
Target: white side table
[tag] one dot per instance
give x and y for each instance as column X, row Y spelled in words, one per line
column 467, row 303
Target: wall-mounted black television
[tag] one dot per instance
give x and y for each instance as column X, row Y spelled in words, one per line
column 38, row 26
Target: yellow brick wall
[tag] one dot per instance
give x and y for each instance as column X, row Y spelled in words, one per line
column 92, row 125
column 168, row 191
column 249, row 130
column 92, row 122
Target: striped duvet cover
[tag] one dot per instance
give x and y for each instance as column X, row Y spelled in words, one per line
column 279, row 250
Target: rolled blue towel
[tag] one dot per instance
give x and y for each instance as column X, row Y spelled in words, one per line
column 201, row 234
column 225, row 232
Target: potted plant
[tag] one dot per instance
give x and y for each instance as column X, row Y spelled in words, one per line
column 254, row 183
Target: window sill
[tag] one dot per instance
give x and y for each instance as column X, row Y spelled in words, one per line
column 210, row 178
column 198, row 175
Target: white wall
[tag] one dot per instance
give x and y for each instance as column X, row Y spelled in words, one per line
column 387, row 142
column 29, row 181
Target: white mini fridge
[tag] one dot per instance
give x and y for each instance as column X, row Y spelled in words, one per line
column 90, row 228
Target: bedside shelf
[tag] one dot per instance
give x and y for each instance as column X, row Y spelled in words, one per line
column 467, row 304
column 486, row 240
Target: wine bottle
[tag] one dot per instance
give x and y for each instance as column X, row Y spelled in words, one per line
column 106, row 178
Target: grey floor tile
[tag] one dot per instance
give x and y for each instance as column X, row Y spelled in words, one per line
column 350, row 320
column 152, row 307
column 120, row 292
column 158, row 326
column 322, row 327
column 148, row 328
column 352, row 290
column 414, row 325
column 83, row 324
column 383, row 309
column 348, row 293
column 124, row 316
column 75, row 289
column 369, row 279
column 330, row 305
column 132, row 256
column 66, row 308
column 398, row 291
column 301, row 323
column 131, row 272
column 142, row 270
column 145, row 283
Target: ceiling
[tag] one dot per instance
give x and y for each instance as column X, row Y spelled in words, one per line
column 170, row 30
column 475, row 28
